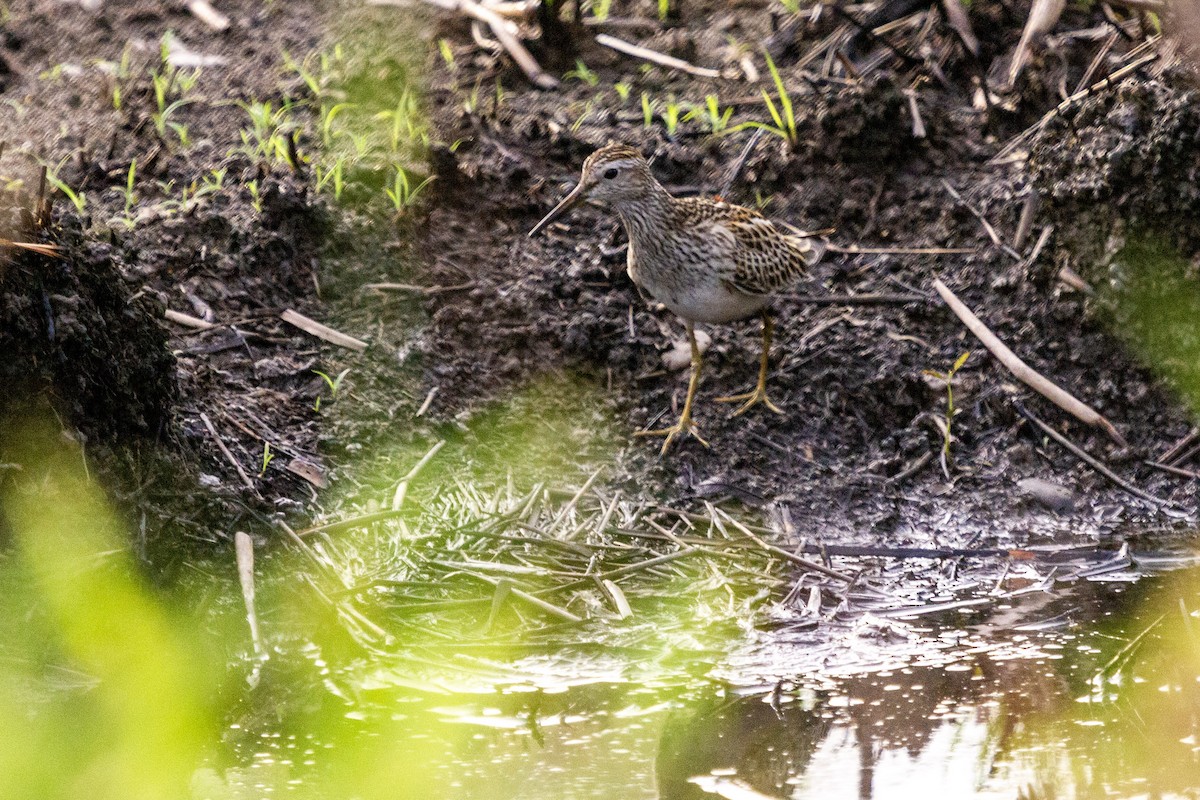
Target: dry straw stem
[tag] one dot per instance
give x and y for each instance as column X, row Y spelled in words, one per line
column 366, row 632
column 655, row 57
column 402, row 486
column 415, row 289
column 956, row 15
column 536, row 602
column 33, row 247
column 1088, row 459
column 204, row 11
column 320, row 331
column 779, row 551
column 1022, row 371
column 1043, row 15
column 228, row 455
column 502, row 29
column 1099, row 86
column 244, row 550
column 187, row 320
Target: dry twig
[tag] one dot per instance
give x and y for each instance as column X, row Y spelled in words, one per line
column 244, row 550
column 1086, row 458
column 33, row 247
column 228, row 455
column 655, row 57
column 1022, row 371
column 187, row 320
column 320, row 331
column 204, row 11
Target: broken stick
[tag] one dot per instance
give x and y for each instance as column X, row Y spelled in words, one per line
column 1023, row 372
column 655, row 57
column 206, row 13
column 244, row 549
column 311, row 326
column 502, row 30
column 1088, row 459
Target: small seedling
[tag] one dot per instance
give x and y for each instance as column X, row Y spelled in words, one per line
column 601, row 9
column 783, row 117
column 213, row 182
column 311, row 81
column 587, row 112
column 471, row 101
column 53, row 74
column 78, row 199
column 712, row 114
column 664, row 8
column 255, row 197
column 120, row 73
column 404, row 126
column 181, row 131
column 361, row 144
column 670, row 117
column 328, row 115
column 267, row 457
column 647, row 111
column 129, row 194
column 333, row 383
column 335, row 174
column 499, row 97
column 582, row 73
column 268, row 135
column 447, row 54
column 946, row 423
column 402, row 192
column 168, row 83
column 623, row 90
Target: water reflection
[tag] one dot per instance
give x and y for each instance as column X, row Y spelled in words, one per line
column 882, row 735
column 1101, row 704
column 1089, row 690
column 1094, row 716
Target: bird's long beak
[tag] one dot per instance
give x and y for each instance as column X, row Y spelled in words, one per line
column 566, row 204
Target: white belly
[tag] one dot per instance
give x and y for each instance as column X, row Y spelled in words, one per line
column 709, row 300
column 712, row 303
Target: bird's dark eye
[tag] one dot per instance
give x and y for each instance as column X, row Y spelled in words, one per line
column 610, row 173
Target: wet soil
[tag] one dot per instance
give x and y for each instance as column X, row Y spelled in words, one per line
column 853, row 450
column 211, row 231
column 857, row 452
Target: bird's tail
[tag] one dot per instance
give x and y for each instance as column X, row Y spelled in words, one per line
column 810, row 248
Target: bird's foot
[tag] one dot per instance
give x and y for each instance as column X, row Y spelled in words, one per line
column 749, row 400
column 685, row 425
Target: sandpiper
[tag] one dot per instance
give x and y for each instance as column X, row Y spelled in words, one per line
column 706, row 260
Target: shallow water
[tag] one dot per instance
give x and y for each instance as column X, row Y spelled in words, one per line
column 1093, row 691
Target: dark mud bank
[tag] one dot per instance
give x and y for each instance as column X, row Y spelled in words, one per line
column 72, row 330
column 1126, row 161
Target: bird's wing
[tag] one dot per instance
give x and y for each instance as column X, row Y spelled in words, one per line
column 766, row 259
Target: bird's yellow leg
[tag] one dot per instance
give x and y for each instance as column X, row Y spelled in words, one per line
column 685, row 424
column 759, row 395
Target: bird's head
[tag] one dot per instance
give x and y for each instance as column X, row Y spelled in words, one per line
column 613, row 175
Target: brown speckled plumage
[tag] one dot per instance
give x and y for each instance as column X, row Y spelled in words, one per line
column 706, row 260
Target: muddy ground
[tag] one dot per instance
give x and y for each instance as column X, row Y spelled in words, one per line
column 857, row 454
column 852, row 453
